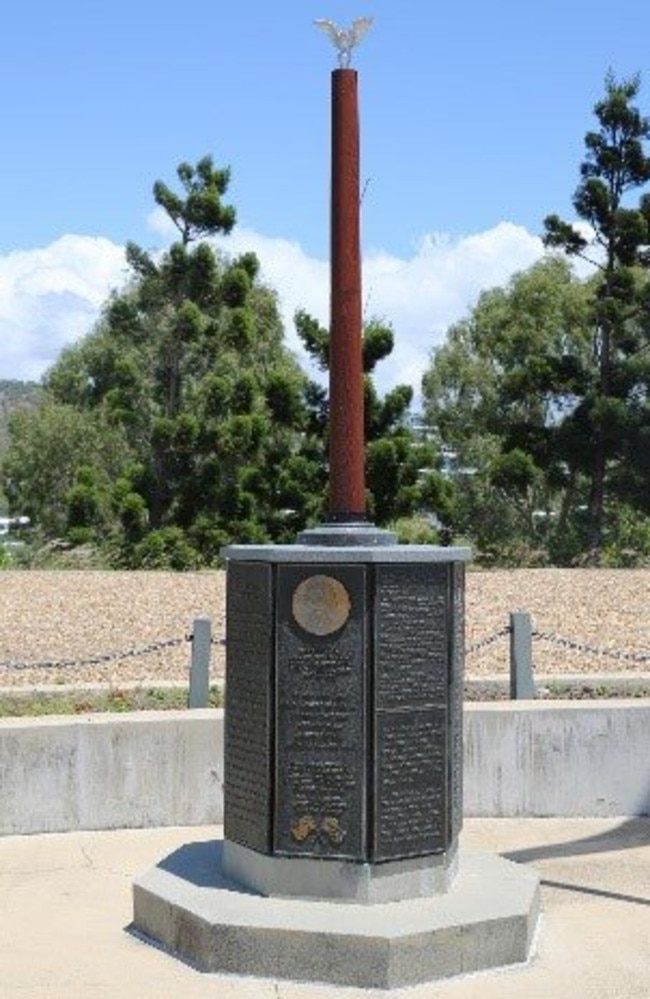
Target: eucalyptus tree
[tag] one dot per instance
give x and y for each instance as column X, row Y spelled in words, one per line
column 502, row 392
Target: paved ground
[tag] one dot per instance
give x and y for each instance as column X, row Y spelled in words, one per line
column 66, row 904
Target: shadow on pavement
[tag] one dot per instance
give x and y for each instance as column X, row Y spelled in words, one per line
column 630, row 834
column 598, row 892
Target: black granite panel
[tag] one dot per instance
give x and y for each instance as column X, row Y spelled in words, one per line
column 411, row 640
column 248, row 718
column 457, row 664
column 410, row 814
column 321, row 716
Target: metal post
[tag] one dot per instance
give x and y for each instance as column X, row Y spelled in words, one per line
column 347, row 476
column 522, row 685
column 200, row 663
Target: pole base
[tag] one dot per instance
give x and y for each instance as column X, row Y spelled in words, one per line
column 347, row 533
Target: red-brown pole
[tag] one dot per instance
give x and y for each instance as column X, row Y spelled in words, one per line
column 347, row 478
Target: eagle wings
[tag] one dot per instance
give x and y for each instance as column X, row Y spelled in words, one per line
column 345, row 39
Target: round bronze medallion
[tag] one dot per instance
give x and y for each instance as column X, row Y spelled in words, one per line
column 321, row 605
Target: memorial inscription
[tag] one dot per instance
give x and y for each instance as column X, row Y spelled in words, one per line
column 410, row 803
column 412, row 647
column 247, row 778
column 320, row 703
column 412, row 678
column 456, row 698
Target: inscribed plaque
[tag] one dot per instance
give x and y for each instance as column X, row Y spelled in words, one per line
column 248, row 725
column 411, row 635
column 456, row 690
column 321, row 716
column 410, row 815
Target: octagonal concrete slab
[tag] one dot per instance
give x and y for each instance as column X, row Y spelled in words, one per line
column 486, row 920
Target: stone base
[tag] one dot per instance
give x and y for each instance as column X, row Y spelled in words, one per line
column 334, row 880
column 486, row 920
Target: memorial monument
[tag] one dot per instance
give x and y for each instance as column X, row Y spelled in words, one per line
column 343, row 726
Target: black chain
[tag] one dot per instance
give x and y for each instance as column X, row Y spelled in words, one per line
column 479, row 646
column 569, row 643
column 484, row 643
column 98, row 660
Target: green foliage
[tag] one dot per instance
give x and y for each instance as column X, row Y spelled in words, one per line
column 50, row 447
column 176, row 425
column 504, row 394
column 414, row 530
column 117, row 700
column 166, row 548
column 627, row 538
column 201, row 212
column 612, row 411
column 542, row 392
column 401, row 468
column 15, row 395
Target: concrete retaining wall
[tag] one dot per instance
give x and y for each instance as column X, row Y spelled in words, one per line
column 567, row 758
column 149, row 768
column 166, row 768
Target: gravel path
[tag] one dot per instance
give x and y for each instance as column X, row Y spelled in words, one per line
column 55, row 616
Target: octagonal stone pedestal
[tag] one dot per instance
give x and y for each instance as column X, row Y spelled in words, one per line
column 487, row 919
column 343, row 781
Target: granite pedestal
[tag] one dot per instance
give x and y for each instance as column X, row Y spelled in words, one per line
column 343, row 744
column 343, row 780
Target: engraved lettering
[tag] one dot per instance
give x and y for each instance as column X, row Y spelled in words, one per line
column 411, row 783
column 248, row 734
column 411, row 627
column 320, row 725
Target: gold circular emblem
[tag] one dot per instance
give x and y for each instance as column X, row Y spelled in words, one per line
column 321, row 605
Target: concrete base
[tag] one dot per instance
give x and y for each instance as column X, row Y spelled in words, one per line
column 486, row 920
column 339, row 880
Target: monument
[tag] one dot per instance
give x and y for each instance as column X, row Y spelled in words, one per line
column 343, row 725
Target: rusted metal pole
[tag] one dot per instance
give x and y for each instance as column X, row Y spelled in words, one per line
column 347, row 477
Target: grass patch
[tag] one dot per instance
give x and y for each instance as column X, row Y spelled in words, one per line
column 33, row 705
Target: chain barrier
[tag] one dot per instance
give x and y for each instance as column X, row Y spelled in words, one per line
column 98, row 660
column 170, row 643
column 484, row 643
column 569, row 643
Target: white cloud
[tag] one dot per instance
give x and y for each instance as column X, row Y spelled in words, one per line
column 51, row 297
column 420, row 296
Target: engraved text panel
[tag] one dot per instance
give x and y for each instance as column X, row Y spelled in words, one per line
column 320, row 731
column 249, row 650
column 412, row 641
column 410, row 806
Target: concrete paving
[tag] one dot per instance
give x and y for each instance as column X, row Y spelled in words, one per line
column 67, row 904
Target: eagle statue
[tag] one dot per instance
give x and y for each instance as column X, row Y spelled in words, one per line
column 345, row 40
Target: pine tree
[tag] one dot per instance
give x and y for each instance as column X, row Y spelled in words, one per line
column 613, row 410
column 189, row 362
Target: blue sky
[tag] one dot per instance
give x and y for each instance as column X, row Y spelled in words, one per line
column 473, row 117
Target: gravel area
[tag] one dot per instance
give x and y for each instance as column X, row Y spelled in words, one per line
column 82, row 615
